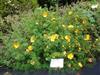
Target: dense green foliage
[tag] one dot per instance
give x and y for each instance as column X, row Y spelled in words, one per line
column 29, row 38
column 42, row 35
column 8, row 7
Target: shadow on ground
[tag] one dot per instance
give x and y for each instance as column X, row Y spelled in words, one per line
column 95, row 70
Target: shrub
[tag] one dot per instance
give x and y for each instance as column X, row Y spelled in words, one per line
column 9, row 7
column 95, row 32
column 42, row 35
column 10, row 10
column 50, row 3
column 5, row 23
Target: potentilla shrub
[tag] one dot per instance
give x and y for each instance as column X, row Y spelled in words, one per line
column 95, row 30
column 42, row 35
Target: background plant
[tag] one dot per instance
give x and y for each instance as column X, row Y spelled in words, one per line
column 8, row 7
column 10, row 10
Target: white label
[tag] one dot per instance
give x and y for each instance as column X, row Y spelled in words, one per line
column 57, row 63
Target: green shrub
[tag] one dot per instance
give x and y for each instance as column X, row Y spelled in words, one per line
column 10, row 10
column 42, row 35
column 95, row 30
column 9, row 7
column 50, row 3
column 5, row 23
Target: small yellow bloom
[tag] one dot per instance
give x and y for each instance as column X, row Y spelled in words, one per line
column 68, row 38
column 32, row 39
column 87, row 37
column 53, row 18
column 69, row 65
column 79, row 48
column 80, row 64
column 77, row 31
column 29, row 49
column 84, row 21
column 70, row 13
column 63, row 46
column 64, row 26
column 16, row 44
column 32, row 62
column 37, row 23
column 70, row 26
column 45, row 14
column 45, row 35
column 54, row 37
column 90, row 60
column 64, row 53
column 70, row 56
column 47, row 46
column 97, row 39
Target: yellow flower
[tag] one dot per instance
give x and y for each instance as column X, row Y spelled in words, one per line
column 32, row 39
column 64, row 26
column 69, row 46
column 29, row 49
column 79, row 48
column 45, row 14
column 87, row 37
column 54, row 37
column 70, row 26
column 68, row 37
column 97, row 39
column 69, row 65
column 90, row 60
column 80, row 64
column 32, row 62
column 84, row 21
column 70, row 56
column 53, row 18
column 77, row 31
column 16, row 44
column 45, row 35
column 70, row 13
column 63, row 46
column 64, row 53
column 37, row 23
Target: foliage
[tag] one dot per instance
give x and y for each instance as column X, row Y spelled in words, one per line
column 10, row 9
column 97, row 28
column 53, row 3
column 95, row 31
column 15, row 6
column 5, row 23
column 42, row 35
